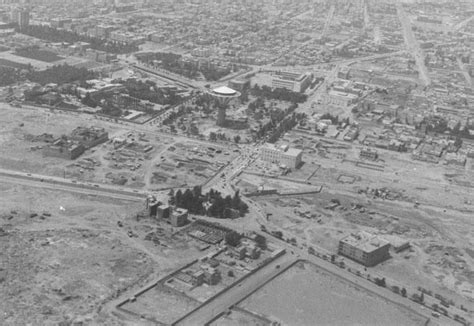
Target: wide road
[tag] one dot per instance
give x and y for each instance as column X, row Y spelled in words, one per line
column 412, row 45
column 55, row 183
column 237, row 293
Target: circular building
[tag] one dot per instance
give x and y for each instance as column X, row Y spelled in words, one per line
column 222, row 96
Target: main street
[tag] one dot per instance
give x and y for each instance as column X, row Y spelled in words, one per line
column 412, row 44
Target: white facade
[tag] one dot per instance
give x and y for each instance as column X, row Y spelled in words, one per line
column 282, row 155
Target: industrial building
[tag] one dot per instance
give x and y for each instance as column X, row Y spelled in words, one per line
column 64, row 148
column 282, row 155
column 89, row 137
column 364, row 248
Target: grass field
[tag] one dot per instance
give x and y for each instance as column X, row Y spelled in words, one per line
column 12, row 64
column 41, row 55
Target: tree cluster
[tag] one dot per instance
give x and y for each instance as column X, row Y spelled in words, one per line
column 280, row 94
column 219, row 207
column 175, row 64
column 439, row 125
column 334, row 119
column 281, row 122
column 55, row 35
column 61, row 74
column 233, row 238
column 9, row 76
column 149, row 91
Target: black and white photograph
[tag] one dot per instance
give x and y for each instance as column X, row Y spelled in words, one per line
column 236, row 162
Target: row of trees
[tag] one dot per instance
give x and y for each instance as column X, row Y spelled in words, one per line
column 55, row 35
column 218, row 206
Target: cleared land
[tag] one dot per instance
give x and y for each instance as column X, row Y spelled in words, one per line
column 307, row 295
column 64, row 256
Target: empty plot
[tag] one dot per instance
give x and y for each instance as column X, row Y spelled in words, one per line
column 307, row 295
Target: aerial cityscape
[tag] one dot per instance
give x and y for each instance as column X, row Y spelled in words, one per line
column 237, row 162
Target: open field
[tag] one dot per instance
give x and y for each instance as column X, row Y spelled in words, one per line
column 41, row 55
column 12, row 64
column 307, row 295
column 65, row 256
column 162, row 304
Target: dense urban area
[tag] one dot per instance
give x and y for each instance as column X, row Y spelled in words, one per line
column 236, row 162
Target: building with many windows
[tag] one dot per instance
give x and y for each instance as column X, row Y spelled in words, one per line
column 364, row 248
column 282, row 155
column 292, row 81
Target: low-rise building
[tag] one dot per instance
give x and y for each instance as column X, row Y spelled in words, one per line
column 282, row 155
column 368, row 154
column 365, row 248
column 64, row 148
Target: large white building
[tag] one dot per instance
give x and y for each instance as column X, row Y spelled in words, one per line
column 339, row 99
column 292, row 81
column 282, row 155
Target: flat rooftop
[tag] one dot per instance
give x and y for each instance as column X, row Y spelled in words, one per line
column 284, row 149
column 365, row 241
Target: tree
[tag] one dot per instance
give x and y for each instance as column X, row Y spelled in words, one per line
column 237, row 139
column 232, row 238
column 261, row 241
column 213, row 136
column 403, row 292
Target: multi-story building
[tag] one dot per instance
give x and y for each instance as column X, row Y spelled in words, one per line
column 21, row 17
column 89, row 137
column 64, row 148
column 338, row 98
column 282, row 155
column 179, row 217
column 364, row 248
column 292, row 81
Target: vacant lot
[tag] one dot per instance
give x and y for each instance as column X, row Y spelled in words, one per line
column 315, row 297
